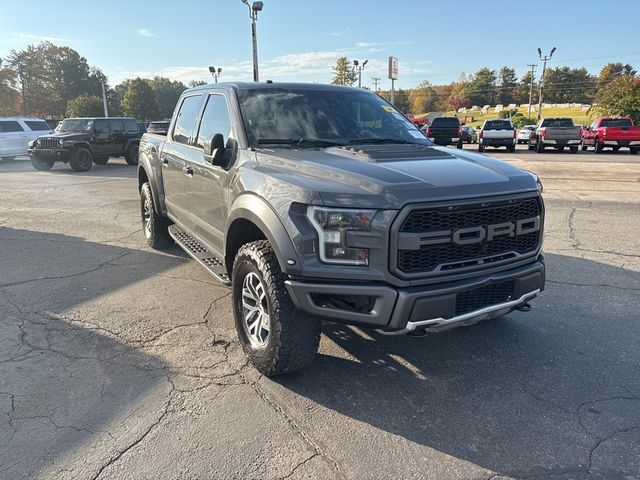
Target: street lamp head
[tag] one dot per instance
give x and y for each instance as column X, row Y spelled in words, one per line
column 219, row 69
column 246, row 2
column 552, row 50
column 212, row 69
column 257, row 6
column 355, row 62
column 540, row 51
column 364, row 63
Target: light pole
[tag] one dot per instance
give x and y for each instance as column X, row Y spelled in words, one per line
column 104, row 99
column 254, row 8
column 359, row 68
column 544, row 67
column 215, row 73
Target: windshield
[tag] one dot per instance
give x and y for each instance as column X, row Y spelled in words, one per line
column 74, row 125
column 312, row 118
column 616, row 122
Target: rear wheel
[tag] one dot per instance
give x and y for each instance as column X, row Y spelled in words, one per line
column 459, row 144
column 131, row 156
column 100, row 160
column 633, row 150
column 539, row 146
column 573, row 149
column 42, row 165
column 154, row 225
column 81, row 160
column 583, row 146
column 276, row 337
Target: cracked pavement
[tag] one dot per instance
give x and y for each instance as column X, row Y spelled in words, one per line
column 118, row 361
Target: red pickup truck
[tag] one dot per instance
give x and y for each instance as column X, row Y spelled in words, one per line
column 611, row 132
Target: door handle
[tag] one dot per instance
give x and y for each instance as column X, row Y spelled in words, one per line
column 165, row 161
column 188, row 171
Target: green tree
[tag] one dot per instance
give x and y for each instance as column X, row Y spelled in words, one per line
column 196, row 83
column 507, row 88
column 568, row 85
column 611, row 71
column 621, row 96
column 521, row 92
column 482, row 87
column 343, row 72
column 9, row 97
column 167, row 94
column 85, row 106
column 139, row 101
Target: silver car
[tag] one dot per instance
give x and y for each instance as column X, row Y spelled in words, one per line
column 524, row 133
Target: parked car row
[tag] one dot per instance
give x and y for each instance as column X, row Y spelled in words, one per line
column 17, row 132
column 556, row 133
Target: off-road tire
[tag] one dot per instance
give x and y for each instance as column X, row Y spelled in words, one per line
column 511, row 148
column 131, row 156
column 154, row 226
column 100, row 160
column 81, row 160
column 293, row 337
column 573, row 149
column 539, row 147
column 42, row 165
column 459, row 145
column 597, row 146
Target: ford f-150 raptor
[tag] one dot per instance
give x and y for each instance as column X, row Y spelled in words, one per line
column 324, row 202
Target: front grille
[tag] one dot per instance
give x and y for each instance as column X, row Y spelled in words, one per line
column 49, row 143
column 451, row 255
column 482, row 297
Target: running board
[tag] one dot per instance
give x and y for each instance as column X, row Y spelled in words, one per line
column 199, row 252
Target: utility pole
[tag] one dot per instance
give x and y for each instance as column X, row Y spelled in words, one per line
column 376, row 80
column 533, row 67
column 358, row 68
column 104, row 99
column 254, row 8
column 544, row 67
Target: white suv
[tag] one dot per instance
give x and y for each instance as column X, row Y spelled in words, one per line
column 17, row 132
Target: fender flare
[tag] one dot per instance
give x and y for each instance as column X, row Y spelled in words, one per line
column 86, row 145
column 129, row 143
column 255, row 209
column 145, row 170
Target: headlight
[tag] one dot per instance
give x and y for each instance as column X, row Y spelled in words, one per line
column 32, row 144
column 332, row 224
column 38, row 141
column 61, row 142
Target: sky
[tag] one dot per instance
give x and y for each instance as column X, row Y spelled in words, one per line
column 299, row 40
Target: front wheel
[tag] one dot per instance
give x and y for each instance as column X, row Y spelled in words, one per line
column 81, row 160
column 583, row 146
column 154, row 225
column 131, row 156
column 276, row 337
column 42, row 165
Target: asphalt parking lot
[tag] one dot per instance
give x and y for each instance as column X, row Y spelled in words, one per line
column 120, row 362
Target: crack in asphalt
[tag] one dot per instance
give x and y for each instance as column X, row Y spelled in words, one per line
column 605, row 285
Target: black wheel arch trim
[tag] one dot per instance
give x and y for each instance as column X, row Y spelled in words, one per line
column 255, row 209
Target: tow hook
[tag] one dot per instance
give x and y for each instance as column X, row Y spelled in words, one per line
column 417, row 333
column 525, row 307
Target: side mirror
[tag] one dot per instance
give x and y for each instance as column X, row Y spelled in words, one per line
column 215, row 150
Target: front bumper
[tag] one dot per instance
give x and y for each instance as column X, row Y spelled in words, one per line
column 49, row 154
column 430, row 307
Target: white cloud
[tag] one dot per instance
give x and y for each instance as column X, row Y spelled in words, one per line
column 40, row 38
column 340, row 33
column 143, row 32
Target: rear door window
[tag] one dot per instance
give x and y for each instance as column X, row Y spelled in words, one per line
column 8, row 126
column 187, row 119
column 131, row 126
column 116, row 126
column 101, row 126
column 37, row 125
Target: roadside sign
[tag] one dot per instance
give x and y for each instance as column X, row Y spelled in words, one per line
column 393, row 68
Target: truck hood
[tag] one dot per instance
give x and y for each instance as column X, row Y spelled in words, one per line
column 69, row 136
column 390, row 176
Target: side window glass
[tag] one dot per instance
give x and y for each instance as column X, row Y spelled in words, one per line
column 186, row 120
column 131, row 126
column 101, row 126
column 214, row 120
column 10, row 126
column 116, row 126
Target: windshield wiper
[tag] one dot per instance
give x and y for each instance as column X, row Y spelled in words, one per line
column 298, row 142
column 381, row 140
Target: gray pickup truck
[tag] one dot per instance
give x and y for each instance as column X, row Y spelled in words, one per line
column 557, row 133
column 324, row 202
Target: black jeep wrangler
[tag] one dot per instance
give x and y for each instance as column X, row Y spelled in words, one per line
column 83, row 141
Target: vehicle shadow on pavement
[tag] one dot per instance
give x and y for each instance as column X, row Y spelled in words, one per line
column 116, row 167
column 551, row 391
column 75, row 386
